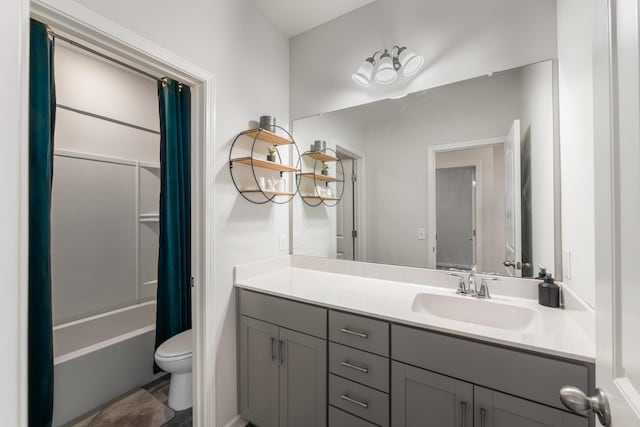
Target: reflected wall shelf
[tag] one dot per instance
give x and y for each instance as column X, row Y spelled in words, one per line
column 250, row 148
column 319, row 155
column 264, row 164
column 334, row 185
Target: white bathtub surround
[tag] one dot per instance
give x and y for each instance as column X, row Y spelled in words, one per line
column 101, row 357
column 388, row 292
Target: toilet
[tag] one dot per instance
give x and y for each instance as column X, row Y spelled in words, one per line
column 174, row 357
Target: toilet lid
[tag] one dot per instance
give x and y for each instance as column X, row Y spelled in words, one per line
column 178, row 345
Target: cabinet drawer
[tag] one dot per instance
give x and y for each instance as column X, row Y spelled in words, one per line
column 365, row 402
column 338, row 418
column 296, row 316
column 357, row 365
column 359, row 332
column 534, row 377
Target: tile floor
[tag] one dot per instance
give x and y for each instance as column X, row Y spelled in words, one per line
column 159, row 389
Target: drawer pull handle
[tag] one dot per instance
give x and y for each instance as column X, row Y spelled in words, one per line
column 273, row 353
column 483, row 417
column 357, row 334
column 345, row 397
column 347, row 364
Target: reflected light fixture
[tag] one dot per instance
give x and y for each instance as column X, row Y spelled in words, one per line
column 385, row 69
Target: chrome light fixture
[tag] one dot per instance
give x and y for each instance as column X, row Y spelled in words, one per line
column 385, row 69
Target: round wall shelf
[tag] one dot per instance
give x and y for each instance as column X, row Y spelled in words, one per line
column 317, row 183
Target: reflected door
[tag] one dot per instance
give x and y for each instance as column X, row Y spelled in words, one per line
column 455, row 217
column 513, row 202
column 345, row 218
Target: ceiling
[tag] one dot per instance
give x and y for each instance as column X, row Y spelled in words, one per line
column 294, row 17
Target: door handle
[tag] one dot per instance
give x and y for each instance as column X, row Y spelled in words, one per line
column 463, row 414
column 273, row 351
column 515, row 264
column 281, row 352
column 577, row 401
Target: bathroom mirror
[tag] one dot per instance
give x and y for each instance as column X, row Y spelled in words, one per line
column 451, row 177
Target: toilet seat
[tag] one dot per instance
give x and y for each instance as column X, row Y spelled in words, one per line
column 178, row 347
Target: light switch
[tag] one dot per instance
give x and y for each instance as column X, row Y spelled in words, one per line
column 422, row 233
column 283, row 241
column 566, row 264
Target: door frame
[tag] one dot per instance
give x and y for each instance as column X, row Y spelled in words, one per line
column 432, row 152
column 360, row 187
column 81, row 23
column 623, row 396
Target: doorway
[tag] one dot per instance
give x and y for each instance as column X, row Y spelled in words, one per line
column 346, row 223
column 456, row 217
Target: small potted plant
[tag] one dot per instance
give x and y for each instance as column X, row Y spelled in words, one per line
column 272, row 154
column 325, row 169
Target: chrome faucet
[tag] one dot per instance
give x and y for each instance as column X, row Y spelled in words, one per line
column 470, row 287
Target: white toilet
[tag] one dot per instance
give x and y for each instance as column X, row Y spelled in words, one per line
column 174, row 356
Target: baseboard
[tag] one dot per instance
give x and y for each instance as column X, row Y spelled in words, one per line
column 236, row 422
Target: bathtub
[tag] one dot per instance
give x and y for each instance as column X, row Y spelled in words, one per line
column 99, row 358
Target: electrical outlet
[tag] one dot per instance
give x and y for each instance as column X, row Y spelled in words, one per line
column 283, row 241
column 566, row 264
column 422, row 234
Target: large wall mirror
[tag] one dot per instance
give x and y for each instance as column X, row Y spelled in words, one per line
column 454, row 177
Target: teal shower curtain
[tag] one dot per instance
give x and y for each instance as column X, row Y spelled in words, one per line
column 42, row 108
column 174, row 259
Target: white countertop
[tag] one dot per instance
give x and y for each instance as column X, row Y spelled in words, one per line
column 557, row 332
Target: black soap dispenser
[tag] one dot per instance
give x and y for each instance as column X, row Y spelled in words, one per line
column 548, row 292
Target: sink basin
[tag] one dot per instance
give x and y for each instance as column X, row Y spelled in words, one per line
column 479, row 312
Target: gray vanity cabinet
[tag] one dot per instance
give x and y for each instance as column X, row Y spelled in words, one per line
column 259, row 372
column 422, row 398
column 283, row 372
column 495, row 409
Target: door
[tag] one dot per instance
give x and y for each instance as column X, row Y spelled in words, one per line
column 303, row 380
column 455, row 217
column 617, row 195
column 494, row 409
column 420, row 398
column 259, row 372
column 513, row 202
column 345, row 213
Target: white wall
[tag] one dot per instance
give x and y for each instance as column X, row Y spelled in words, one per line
column 537, row 125
column 575, row 78
column 13, row 216
column 250, row 60
column 459, row 39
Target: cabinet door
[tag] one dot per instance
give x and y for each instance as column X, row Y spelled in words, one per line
column 422, row 398
column 258, row 372
column 303, row 380
column 494, row 409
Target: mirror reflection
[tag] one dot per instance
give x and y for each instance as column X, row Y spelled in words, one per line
column 456, row 177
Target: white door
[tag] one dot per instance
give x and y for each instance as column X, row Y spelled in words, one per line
column 617, row 208
column 513, row 202
column 345, row 210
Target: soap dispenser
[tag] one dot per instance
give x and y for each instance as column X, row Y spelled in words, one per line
column 549, row 292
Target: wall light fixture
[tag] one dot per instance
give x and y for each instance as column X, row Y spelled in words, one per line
column 385, row 69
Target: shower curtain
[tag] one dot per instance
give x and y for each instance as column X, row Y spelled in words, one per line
column 42, row 107
column 174, row 259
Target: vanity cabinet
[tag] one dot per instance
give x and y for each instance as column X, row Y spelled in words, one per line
column 306, row 365
column 283, row 372
column 421, row 397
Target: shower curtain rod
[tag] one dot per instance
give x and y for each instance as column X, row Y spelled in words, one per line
column 55, row 35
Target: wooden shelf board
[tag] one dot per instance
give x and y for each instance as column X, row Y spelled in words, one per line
column 320, row 197
column 269, row 193
column 318, row 177
column 267, row 136
column 318, row 155
column 264, row 164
